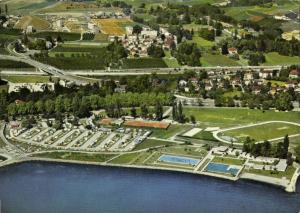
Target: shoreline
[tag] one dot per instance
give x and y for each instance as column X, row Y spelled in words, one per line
column 289, row 188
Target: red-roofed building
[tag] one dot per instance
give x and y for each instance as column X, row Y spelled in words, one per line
column 294, row 74
column 232, row 51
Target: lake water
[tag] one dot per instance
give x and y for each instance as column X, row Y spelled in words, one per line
column 50, row 187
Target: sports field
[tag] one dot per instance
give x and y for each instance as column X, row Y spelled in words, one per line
column 264, row 132
column 231, row 117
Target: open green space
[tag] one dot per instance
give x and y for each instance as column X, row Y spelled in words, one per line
column 28, row 78
column 171, row 131
column 277, row 83
column 229, row 117
column 205, row 135
column 264, row 132
column 140, row 63
column 230, row 161
column 125, row 158
column 232, row 94
column 27, row 7
column 152, row 143
column 13, row 64
column 66, row 36
column 276, row 174
column 201, row 42
column 274, row 58
column 76, row 156
column 217, row 60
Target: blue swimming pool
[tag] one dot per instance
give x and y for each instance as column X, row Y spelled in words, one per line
column 221, row 168
column 179, row 159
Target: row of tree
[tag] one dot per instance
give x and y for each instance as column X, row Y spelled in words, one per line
column 266, row 149
column 81, row 105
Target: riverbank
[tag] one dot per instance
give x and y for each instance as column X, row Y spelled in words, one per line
column 288, row 186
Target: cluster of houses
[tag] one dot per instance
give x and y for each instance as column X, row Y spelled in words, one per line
column 9, row 21
column 256, row 79
column 38, row 87
column 138, row 44
column 107, row 14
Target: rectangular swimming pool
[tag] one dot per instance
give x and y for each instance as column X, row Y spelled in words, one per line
column 179, row 160
column 221, row 168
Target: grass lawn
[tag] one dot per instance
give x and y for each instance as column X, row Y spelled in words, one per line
column 185, row 150
column 276, row 59
column 277, row 83
column 144, row 63
column 229, row 117
column 76, row 156
column 264, row 132
column 201, row 42
column 217, row 60
column 288, row 173
column 152, row 143
column 171, row 131
column 170, row 61
column 205, row 135
column 125, row 158
column 230, row 161
column 233, row 94
column 27, row 78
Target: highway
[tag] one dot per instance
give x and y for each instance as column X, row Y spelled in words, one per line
column 73, row 75
column 48, row 69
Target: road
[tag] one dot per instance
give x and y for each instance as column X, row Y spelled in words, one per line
column 73, row 75
column 48, row 69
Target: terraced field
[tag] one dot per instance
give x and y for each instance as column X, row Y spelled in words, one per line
column 36, row 22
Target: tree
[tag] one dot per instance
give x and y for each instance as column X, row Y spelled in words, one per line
column 144, row 111
column 133, row 112
column 137, row 29
column 224, row 49
column 289, row 159
column 193, row 119
column 158, row 111
column 187, row 54
column 286, row 143
column 297, row 153
column 180, row 113
column 174, row 111
column 155, row 51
